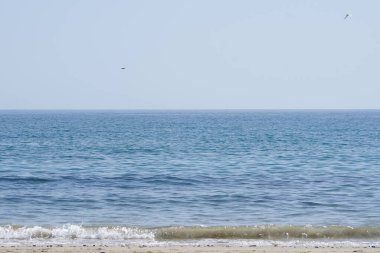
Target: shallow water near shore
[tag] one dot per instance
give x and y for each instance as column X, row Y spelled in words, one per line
column 254, row 236
column 189, row 175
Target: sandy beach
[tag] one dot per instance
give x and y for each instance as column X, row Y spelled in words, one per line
column 180, row 249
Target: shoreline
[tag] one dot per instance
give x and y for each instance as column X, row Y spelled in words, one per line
column 185, row 248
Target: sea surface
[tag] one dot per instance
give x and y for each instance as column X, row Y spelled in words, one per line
column 154, row 176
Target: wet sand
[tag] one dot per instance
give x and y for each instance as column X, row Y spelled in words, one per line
column 181, row 249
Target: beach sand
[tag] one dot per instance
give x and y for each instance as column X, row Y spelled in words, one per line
column 180, row 249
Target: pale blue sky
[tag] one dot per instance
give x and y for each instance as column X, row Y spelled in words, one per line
column 200, row 54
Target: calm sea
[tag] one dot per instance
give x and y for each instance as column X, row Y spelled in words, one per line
column 178, row 174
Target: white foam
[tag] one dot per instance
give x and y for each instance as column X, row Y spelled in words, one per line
column 72, row 234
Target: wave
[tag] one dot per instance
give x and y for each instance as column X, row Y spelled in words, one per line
column 268, row 232
column 16, row 179
column 72, row 232
column 125, row 233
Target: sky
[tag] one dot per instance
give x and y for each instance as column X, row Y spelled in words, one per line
column 199, row 54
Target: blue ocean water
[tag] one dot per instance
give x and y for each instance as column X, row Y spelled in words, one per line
column 189, row 168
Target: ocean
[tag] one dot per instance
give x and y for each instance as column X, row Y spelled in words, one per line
column 229, row 176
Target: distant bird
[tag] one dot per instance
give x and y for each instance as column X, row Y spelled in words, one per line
column 122, row 68
column 347, row 16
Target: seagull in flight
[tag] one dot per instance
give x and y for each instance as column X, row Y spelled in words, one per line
column 347, row 15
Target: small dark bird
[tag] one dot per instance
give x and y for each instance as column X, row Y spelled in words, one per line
column 347, row 15
column 122, row 68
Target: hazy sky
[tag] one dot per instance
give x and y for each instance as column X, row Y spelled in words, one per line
column 189, row 54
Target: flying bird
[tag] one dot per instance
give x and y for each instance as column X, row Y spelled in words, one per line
column 347, row 15
column 122, row 68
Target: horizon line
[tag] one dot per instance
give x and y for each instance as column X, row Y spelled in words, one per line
column 194, row 109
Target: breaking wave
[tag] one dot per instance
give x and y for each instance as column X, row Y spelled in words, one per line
column 268, row 232
column 72, row 233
